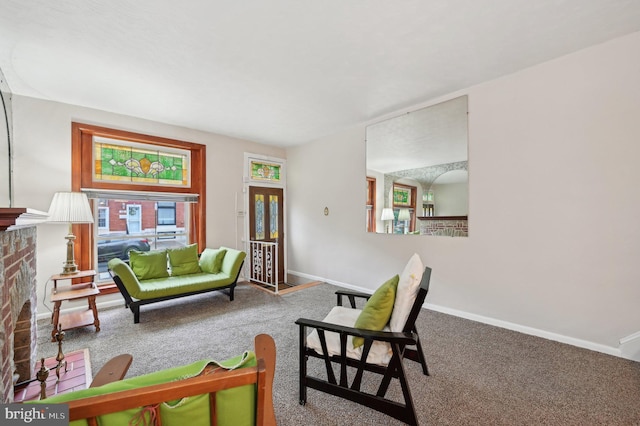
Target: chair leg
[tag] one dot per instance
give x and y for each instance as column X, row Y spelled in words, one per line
column 136, row 313
column 421, row 358
column 303, row 367
column 417, row 355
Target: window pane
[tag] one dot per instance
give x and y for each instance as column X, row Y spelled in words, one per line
column 273, row 216
column 126, row 162
column 137, row 225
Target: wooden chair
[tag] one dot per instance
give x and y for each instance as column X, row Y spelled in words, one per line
column 337, row 334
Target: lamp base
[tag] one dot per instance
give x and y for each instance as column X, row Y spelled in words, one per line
column 69, row 269
column 70, row 266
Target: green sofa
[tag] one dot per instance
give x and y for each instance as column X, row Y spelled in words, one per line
column 146, row 279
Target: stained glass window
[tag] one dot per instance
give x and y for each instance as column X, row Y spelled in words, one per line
column 401, row 196
column 259, row 216
column 273, row 216
column 265, row 171
column 119, row 161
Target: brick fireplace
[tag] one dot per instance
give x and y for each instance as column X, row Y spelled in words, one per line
column 18, row 307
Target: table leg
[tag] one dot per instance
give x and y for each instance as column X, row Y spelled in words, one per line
column 92, row 306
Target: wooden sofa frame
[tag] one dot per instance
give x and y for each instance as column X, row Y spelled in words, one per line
column 261, row 375
column 134, row 305
column 399, row 342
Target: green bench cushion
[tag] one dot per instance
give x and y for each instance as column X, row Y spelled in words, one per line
column 170, row 286
column 235, row 406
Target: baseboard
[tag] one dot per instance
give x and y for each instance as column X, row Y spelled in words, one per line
column 504, row 324
column 630, row 346
column 527, row 330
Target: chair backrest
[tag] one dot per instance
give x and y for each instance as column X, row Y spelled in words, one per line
column 410, row 325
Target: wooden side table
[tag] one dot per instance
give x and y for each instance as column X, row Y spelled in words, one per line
column 74, row 292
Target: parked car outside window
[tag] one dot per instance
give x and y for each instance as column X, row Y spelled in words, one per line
column 119, row 247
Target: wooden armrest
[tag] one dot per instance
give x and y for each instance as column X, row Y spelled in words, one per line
column 265, row 349
column 115, row 369
column 383, row 336
column 352, row 295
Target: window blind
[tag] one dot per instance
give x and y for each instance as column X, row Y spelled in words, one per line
column 140, row 195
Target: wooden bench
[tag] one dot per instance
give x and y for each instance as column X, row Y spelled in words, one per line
column 212, row 381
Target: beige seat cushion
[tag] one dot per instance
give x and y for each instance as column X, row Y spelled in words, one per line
column 380, row 351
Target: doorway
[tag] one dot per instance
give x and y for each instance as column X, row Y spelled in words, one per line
column 266, row 235
column 134, row 218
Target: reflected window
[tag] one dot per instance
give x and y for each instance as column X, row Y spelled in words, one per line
column 371, row 204
column 404, row 208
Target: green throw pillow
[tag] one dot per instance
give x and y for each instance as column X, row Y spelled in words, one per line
column 211, row 260
column 184, row 260
column 150, row 264
column 377, row 311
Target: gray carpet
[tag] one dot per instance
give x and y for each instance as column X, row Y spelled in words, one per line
column 480, row 375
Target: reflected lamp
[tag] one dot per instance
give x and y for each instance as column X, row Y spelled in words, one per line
column 71, row 208
column 387, row 214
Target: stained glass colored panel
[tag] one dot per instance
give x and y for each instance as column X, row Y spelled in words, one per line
column 129, row 164
column 265, row 171
column 259, row 216
column 401, row 196
column 273, row 216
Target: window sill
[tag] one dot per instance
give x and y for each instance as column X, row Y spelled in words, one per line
column 108, row 288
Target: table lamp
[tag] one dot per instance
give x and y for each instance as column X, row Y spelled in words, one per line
column 403, row 216
column 387, row 214
column 70, row 207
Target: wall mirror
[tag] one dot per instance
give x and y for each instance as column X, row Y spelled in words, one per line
column 6, row 167
column 417, row 172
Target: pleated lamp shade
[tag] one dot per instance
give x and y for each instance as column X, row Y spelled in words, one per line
column 70, row 207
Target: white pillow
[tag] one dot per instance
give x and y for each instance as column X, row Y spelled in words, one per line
column 406, row 293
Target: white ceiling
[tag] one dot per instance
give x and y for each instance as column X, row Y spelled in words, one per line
column 284, row 72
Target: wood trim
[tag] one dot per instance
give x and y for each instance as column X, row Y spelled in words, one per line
column 82, row 177
column 443, row 218
column 210, row 380
column 371, row 200
column 8, row 217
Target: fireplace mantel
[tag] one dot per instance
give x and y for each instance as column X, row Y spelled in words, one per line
column 9, row 216
column 17, row 216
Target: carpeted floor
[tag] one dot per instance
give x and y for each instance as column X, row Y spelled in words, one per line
column 480, row 375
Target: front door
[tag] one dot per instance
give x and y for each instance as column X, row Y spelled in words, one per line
column 266, row 221
column 134, row 218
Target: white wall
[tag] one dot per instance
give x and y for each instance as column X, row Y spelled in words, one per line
column 452, row 199
column 42, row 166
column 553, row 240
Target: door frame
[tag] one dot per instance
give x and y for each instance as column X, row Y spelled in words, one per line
column 249, row 180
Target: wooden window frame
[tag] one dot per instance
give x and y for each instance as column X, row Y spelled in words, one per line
column 411, row 206
column 82, row 177
column 371, row 201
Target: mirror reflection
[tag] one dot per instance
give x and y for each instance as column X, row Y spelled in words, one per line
column 417, row 172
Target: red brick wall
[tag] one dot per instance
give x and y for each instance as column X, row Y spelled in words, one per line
column 148, row 215
column 18, row 301
column 455, row 228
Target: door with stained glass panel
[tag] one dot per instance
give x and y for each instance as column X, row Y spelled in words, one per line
column 266, row 225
